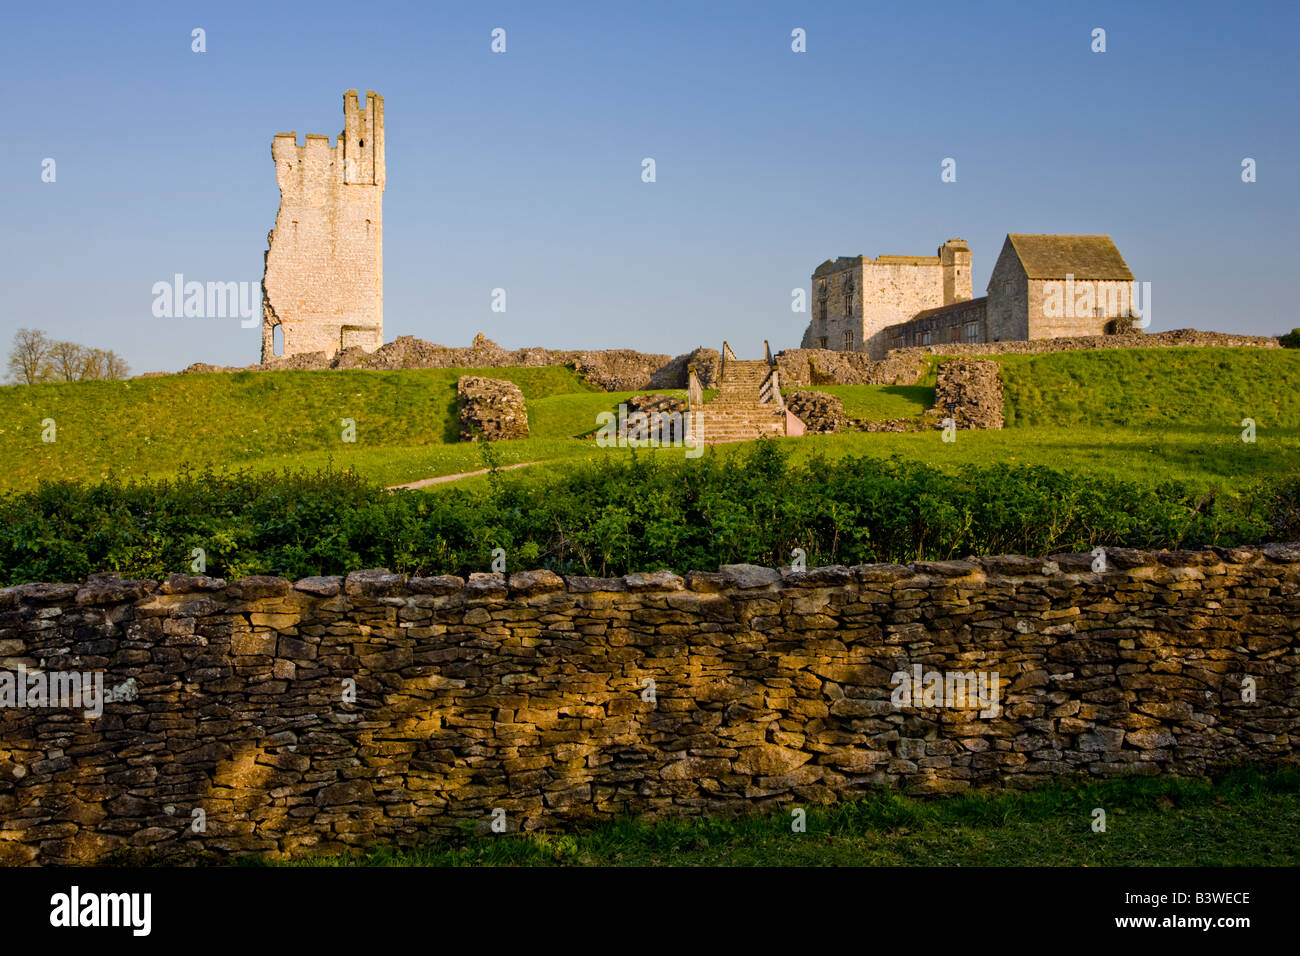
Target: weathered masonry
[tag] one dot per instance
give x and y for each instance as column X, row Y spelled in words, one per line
column 309, row 717
column 1042, row 287
column 856, row 299
column 323, row 289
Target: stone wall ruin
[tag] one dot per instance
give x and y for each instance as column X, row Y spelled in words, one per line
column 323, row 289
column 528, row 693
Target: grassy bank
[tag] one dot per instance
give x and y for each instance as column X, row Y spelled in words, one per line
column 1210, row 387
column 1150, row 414
column 154, row 426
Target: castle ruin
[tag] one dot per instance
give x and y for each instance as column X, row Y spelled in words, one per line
column 855, row 299
column 323, row 286
column 1042, row 287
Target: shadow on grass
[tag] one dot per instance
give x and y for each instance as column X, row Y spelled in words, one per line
column 1243, row 815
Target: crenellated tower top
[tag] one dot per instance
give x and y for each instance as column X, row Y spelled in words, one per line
column 363, row 139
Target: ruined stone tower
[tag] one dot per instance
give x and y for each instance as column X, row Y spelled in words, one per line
column 324, row 280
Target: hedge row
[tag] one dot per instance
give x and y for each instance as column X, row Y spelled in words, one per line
column 613, row 517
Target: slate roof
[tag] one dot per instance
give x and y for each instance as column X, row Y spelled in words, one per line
column 962, row 306
column 1084, row 257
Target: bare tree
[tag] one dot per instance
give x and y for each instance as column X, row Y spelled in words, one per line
column 68, row 361
column 114, row 367
column 37, row 358
column 28, row 358
column 93, row 363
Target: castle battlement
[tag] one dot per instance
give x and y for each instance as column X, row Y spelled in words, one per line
column 905, row 260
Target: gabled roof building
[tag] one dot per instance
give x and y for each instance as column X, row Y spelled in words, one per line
column 1042, row 286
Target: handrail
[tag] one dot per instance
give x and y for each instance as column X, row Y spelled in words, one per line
column 769, row 393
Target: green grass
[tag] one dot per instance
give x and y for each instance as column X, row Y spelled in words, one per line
column 1205, row 458
column 1128, row 387
column 1153, row 414
column 878, row 403
column 402, row 464
column 1211, row 458
column 1212, row 387
column 1148, row 414
column 1245, row 817
column 152, row 426
column 569, row 416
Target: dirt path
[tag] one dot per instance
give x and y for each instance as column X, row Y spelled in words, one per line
column 441, row 479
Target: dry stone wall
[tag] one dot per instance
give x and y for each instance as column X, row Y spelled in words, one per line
column 310, row 717
column 491, row 409
column 1191, row 338
column 614, row 370
column 903, row 366
column 821, row 413
column 974, row 390
column 611, row 369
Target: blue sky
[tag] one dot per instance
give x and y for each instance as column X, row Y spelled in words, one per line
column 523, row 170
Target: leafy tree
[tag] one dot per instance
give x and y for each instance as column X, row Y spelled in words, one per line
column 1291, row 340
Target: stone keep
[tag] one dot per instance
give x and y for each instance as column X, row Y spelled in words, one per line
column 855, row 298
column 324, row 280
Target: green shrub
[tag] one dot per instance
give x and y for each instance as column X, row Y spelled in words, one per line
column 614, row 516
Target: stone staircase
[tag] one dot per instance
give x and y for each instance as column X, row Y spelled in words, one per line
column 748, row 404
